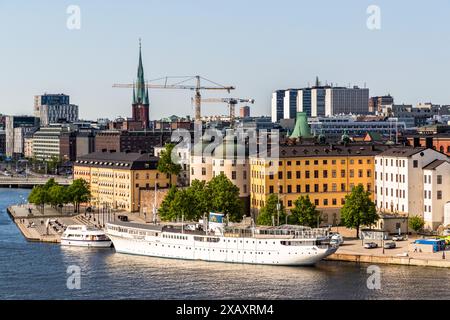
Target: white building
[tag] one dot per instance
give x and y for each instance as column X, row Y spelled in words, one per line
column 436, row 191
column 399, row 182
column 46, row 142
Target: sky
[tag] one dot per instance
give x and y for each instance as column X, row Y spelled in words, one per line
column 255, row 45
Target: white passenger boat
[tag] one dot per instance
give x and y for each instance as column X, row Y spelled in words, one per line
column 214, row 241
column 84, row 236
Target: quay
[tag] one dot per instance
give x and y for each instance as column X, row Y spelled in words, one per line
column 32, row 222
column 30, row 182
column 353, row 251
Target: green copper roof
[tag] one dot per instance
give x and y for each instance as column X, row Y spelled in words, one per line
column 140, row 95
column 302, row 128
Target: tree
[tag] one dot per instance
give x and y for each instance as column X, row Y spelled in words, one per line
column 166, row 210
column 166, row 163
column 224, row 197
column 78, row 193
column 58, row 195
column 305, row 213
column 39, row 196
column 416, row 223
column 358, row 209
column 269, row 213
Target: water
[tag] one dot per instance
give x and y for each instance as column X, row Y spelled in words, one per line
column 39, row 271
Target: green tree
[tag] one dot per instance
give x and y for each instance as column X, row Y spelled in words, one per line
column 79, row 192
column 358, row 209
column 416, row 223
column 224, row 197
column 166, row 210
column 167, row 162
column 305, row 213
column 58, row 195
column 39, row 196
column 269, row 213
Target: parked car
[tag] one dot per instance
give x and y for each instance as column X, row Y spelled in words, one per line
column 336, row 238
column 390, row 245
column 370, row 245
column 398, row 238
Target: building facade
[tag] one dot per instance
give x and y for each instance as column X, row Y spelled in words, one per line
column 116, row 179
column 399, row 181
column 325, row 173
column 13, row 143
column 244, row 112
column 342, row 100
column 376, row 104
column 47, row 142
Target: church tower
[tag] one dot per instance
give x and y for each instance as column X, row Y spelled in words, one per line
column 140, row 106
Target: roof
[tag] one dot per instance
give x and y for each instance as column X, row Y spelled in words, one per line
column 123, row 160
column 330, row 150
column 433, row 165
column 404, row 152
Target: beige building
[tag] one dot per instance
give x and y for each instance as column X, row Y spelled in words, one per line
column 28, row 147
column 117, row 179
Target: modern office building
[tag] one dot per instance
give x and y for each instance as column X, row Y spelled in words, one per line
column 116, row 179
column 290, row 104
column 342, row 100
column 47, row 142
column 376, row 104
column 55, row 108
column 335, row 126
column 14, row 138
column 278, row 105
column 2, row 142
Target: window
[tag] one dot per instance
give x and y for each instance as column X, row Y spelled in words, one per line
column 334, row 187
column 271, row 176
column 351, row 173
column 369, row 173
column 289, row 163
column 325, row 162
column 298, row 174
column 415, row 163
column 280, row 175
column 233, row 175
column 439, row 195
column 203, row 171
column 325, row 202
column 316, row 202
column 333, row 161
column 297, row 163
column 439, row 179
column 342, row 173
column 316, row 188
column 289, row 175
column 307, row 162
column 289, row 203
column 360, row 161
column 316, row 174
column 289, row 189
column 307, row 188
column 342, row 186
column 299, row 188
column 325, row 187
column 325, row 173
column 307, row 174
column 316, row 162
column 333, row 173
column 360, row 173
column 334, row 202
column 270, row 189
column 245, row 175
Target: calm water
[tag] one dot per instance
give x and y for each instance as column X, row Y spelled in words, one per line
column 38, row 271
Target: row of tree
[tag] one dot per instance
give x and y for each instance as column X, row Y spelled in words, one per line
column 218, row 195
column 358, row 210
column 57, row 195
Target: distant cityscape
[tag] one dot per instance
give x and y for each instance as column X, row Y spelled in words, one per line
column 332, row 138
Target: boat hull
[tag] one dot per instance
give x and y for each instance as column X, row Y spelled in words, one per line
column 269, row 252
column 84, row 243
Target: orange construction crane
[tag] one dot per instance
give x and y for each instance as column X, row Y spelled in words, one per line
column 232, row 102
column 182, row 84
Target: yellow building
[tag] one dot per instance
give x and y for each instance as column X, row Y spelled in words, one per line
column 325, row 173
column 116, row 179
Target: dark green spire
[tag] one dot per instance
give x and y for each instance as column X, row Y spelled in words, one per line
column 146, row 97
column 134, row 94
column 301, row 128
column 140, row 83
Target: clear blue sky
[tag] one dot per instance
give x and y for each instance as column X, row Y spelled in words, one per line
column 257, row 46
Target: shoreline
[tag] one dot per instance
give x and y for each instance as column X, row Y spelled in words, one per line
column 33, row 235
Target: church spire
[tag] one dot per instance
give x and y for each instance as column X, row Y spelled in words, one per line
column 140, row 83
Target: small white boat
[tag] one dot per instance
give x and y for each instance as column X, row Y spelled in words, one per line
column 84, row 236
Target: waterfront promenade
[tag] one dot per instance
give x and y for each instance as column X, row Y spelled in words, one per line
column 353, row 251
column 33, row 223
